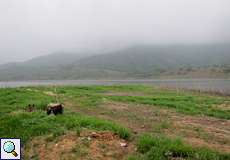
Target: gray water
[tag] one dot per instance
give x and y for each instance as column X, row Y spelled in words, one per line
column 214, row 85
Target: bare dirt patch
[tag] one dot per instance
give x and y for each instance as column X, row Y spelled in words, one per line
column 90, row 145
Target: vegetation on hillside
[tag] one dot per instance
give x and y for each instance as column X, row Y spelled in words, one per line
column 192, row 61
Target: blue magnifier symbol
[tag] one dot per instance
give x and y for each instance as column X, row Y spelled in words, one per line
column 9, row 147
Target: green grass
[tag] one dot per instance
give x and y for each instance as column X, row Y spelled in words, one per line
column 24, row 125
column 183, row 102
column 16, row 122
column 192, row 105
column 163, row 148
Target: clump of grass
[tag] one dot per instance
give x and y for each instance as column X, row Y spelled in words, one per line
column 78, row 131
column 163, row 148
column 80, row 150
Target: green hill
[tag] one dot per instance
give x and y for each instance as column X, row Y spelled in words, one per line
column 144, row 61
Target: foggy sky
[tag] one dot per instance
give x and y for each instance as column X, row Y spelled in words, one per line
column 30, row 28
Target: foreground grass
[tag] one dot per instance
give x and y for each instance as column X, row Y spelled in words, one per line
column 162, row 148
column 26, row 125
column 16, row 122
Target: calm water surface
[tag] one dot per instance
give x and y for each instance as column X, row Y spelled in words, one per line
column 215, row 85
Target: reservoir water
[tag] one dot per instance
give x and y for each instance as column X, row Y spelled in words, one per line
column 214, row 85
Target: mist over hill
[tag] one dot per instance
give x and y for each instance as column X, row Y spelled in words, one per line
column 143, row 61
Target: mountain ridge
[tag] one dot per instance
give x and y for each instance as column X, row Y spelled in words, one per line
column 143, row 61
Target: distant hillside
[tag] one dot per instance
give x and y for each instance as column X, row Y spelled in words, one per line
column 151, row 60
column 187, row 61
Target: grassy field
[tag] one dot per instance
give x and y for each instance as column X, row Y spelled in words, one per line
column 155, row 123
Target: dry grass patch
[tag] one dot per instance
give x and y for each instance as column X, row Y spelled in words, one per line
column 126, row 94
column 139, row 118
column 211, row 132
column 196, row 130
column 87, row 146
column 224, row 106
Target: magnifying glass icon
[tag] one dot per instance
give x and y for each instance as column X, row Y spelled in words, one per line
column 9, row 147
